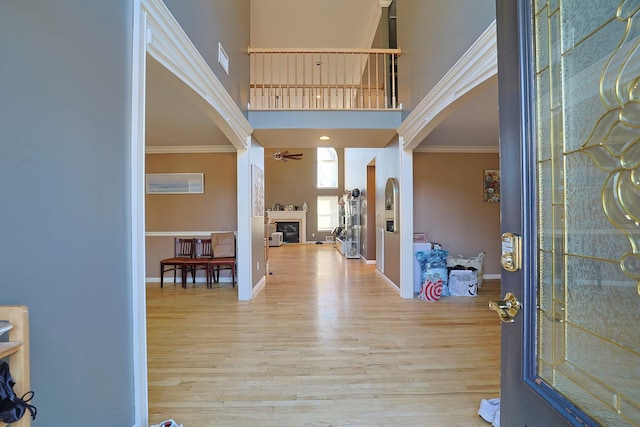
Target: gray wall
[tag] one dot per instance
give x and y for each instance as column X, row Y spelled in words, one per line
column 448, row 204
column 428, row 30
column 386, row 166
column 207, row 22
column 356, row 177
column 257, row 225
column 65, row 106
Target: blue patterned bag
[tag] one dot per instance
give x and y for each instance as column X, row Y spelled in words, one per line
column 433, row 266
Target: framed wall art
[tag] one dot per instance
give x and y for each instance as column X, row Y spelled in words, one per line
column 257, row 190
column 491, row 185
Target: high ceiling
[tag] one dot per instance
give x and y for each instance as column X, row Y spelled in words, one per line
column 176, row 116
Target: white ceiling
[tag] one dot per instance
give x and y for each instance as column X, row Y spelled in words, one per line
column 176, row 116
column 314, row 23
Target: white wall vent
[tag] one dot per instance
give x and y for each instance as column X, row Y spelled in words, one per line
column 223, row 58
column 175, row 183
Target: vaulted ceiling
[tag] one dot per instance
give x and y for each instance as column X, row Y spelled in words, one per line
column 176, row 116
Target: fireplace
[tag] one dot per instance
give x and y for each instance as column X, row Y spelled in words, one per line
column 299, row 217
column 290, row 231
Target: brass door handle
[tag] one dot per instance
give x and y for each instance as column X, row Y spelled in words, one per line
column 508, row 308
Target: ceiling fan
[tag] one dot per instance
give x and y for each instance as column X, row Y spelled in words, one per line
column 285, row 156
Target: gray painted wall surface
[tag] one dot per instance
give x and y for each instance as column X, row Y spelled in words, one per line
column 207, row 22
column 387, row 166
column 355, row 176
column 428, row 30
column 258, row 270
column 65, row 132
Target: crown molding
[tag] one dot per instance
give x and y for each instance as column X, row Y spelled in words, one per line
column 478, row 64
column 189, row 149
column 385, row 3
column 169, row 44
column 457, row 149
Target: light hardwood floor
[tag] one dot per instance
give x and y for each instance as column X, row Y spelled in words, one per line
column 327, row 342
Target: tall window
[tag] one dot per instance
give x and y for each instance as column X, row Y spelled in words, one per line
column 327, row 213
column 327, row 167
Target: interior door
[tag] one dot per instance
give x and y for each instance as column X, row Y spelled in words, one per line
column 569, row 81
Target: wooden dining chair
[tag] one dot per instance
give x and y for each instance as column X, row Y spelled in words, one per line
column 224, row 255
column 201, row 259
column 182, row 251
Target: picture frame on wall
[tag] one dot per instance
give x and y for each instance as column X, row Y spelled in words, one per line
column 491, row 184
column 257, row 190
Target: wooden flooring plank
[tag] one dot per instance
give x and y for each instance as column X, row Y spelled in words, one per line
column 327, row 342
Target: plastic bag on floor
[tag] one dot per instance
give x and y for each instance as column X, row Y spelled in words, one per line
column 433, row 265
column 463, row 283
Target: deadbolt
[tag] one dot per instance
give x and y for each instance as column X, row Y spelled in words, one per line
column 511, row 252
column 507, row 309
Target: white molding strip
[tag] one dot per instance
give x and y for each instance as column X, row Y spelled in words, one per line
column 259, row 286
column 170, row 45
column 388, row 281
column 190, row 149
column 137, row 206
column 182, row 233
column 457, row 149
column 491, row 276
column 478, row 64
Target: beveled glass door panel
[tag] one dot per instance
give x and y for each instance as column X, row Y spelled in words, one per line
column 587, row 105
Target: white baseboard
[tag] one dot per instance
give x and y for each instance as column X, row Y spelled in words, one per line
column 388, row 281
column 259, row 286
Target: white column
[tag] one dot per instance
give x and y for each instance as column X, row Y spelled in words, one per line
column 406, row 222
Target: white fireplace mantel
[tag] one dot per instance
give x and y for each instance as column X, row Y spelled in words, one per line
column 291, row 216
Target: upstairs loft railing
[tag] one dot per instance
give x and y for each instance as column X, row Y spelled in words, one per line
column 323, row 79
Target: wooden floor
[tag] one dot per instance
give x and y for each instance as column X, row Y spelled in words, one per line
column 327, row 342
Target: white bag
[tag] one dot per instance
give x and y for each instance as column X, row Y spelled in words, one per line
column 475, row 262
column 463, row 283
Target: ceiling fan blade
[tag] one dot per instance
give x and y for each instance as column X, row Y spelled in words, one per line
column 295, row 155
column 293, row 158
column 284, row 153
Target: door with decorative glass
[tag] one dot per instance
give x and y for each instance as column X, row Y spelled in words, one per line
column 569, row 81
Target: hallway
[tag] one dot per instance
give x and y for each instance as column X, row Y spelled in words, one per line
column 326, row 342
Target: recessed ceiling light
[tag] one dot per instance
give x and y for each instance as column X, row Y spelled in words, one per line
column 324, row 138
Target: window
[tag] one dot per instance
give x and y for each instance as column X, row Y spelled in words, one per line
column 327, row 213
column 327, row 167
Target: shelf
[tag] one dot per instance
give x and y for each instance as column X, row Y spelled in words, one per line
column 8, row 348
column 348, row 243
column 17, row 352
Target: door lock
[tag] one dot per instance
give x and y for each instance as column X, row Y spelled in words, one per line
column 511, row 258
column 508, row 308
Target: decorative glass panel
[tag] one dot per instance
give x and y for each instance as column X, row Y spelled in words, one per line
column 587, row 92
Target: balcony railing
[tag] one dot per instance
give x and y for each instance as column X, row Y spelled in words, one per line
column 323, row 79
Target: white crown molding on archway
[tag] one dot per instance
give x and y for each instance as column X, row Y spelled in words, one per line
column 457, row 149
column 478, row 64
column 189, row 149
column 168, row 43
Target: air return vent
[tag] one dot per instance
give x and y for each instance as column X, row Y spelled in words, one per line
column 175, row 183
